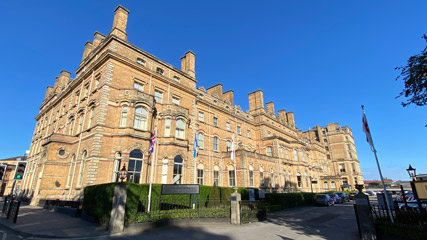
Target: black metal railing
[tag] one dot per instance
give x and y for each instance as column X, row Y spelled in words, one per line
column 180, row 209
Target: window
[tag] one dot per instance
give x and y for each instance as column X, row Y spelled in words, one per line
column 215, row 143
column 116, row 170
column 325, row 185
column 97, row 82
column 77, row 97
column 167, row 127
column 71, row 171
column 138, row 86
column 346, row 138
column 349, row 155
column 165, row 171
column 261, row 177
column 80, row 124
column 273, row 184
column 249, row 133
column 269, row 152
column 287, row 153
column 348, row 147
column 87, row 90
column 325, row 140
column 295, row 155
column 215, row 121
column 82, row 168
column 306, row 179
column 353, row 167
column 216, row 176
column 327, row 148
column 268, row 134
column 355, row 181
column 200, row 176
column 228, row 144
column 341, row 167
column 175, row 100
column 140, row 120
column 333, row 185
column 227, row 126
column 303, row 155
column 282, row 153
column 328, row 156
column 92, row 114
column 134, row 166
column 160, row 71
column 299, row 180
column 177, row 170
column 180, row 129
column 344, row 181
column 123, row 116
column 158, row 96
column 71, row 126
column 231, row 178
column 324, row 132
column 238, row 130
column 176, row 79
column 251, row 176
column 201, row 116
column 140, row 61
column 201, row 140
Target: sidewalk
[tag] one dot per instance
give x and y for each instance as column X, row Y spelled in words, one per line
column 38, row 222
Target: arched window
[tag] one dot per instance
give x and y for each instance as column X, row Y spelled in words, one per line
column 177, row 170
column 231, row 177
column 71, row 171
column 333, row 186
column 303, row 155
column 282, row 153
column 269, row 152
column 299, row 181
column 325, row 185
column 82, row 168
column 71, row 126
column 261, row 176
column 91, row 115
column 216, row 175
column 80, row 124
column 180, row 129
column 201, row 140
column 116, row 169
column 123, row 116
column 251, row 175
column 140, row 120
column 200, row 174
column 134, row 166
column 273, row 184
column 167, row 127
column 295, row 155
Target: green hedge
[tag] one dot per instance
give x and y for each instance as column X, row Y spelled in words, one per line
column 98, row 199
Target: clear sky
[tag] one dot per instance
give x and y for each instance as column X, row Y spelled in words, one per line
column 319, row 59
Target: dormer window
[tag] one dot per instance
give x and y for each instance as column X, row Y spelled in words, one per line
column 160, row 71
column 176, row 79
column 140, row 61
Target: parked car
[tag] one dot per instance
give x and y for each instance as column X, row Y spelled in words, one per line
column 337, row 199
column 369, row 193
column 352, row 195
column 343, row 196
column 323, row 200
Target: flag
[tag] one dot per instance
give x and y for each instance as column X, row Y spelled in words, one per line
column 195, row 146
column 233, row 152
column 153, row 141
column 366, row 130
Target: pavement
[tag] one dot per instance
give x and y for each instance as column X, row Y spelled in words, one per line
column 301, row 223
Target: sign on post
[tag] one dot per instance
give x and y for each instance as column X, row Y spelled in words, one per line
column 178, row 189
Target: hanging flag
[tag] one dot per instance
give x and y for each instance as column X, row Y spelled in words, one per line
column 366, row 129
column 233, row 152
column 153, row 141
column 195, row 146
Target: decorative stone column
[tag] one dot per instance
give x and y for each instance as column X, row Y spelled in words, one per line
column 117, row 219
column 235, row 207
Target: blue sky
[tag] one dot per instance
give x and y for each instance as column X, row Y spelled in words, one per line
column 319, row 59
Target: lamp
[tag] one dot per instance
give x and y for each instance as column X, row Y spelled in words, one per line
column 411, row 172
column 123, row 172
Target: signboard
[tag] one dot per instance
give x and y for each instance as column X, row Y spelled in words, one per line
column 251, row 194
column 178, row 189
column 421, row 189
column 261, row 193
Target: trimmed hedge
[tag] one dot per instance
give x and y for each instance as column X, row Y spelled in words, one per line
column 98, row 199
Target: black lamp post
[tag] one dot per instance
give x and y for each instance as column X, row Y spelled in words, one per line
column 123, row 173
column 412, row 173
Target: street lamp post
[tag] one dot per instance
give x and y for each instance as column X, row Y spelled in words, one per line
column 413, row 174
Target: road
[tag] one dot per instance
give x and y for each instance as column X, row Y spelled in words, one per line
column 336, row 222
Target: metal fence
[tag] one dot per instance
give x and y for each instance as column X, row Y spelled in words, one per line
column 404, row 218
column 179, row 209
column 252, row 211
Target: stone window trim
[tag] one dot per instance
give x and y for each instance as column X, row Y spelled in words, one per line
column 141, row 61
column 159, row 91
column 176, row 79
column 160, row 71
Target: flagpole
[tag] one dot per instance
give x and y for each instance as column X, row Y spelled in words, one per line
column 151, row 174
column 195, row 158
column 379, row 168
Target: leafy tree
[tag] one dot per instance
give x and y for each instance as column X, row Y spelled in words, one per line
column 414, row 75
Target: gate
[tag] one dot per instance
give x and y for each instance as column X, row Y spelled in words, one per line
column 252, row 211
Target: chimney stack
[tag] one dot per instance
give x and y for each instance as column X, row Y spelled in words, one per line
column 229, row 95
column 88, row 49
column 63, row 79
column 97, row 39
column 49, row 92
column 120, row 22
column 216, row 89
column 188, row 63
column 256, row 100
column 291, row 120
column 270, row 108
column 282, row 115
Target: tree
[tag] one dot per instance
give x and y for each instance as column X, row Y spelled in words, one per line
column 414, row 75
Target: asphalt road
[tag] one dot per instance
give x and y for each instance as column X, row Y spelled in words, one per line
column 335, row 222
